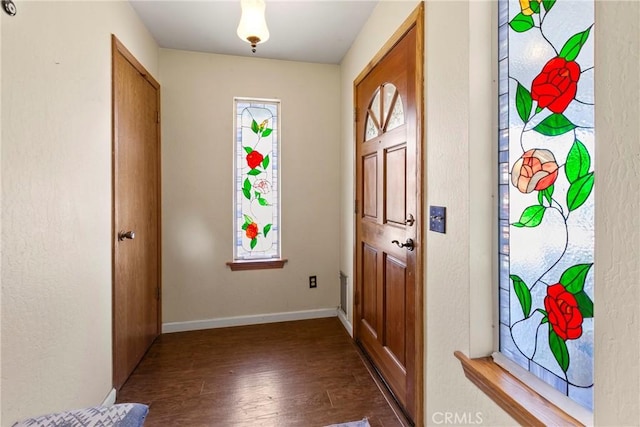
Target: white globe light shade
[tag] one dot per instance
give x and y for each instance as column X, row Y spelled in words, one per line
column 252, row 22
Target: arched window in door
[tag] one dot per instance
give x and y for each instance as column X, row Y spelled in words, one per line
column 385, row 112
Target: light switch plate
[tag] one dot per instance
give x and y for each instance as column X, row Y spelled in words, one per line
column 437, row 218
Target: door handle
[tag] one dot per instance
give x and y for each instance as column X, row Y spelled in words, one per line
column 409, row 244
column 126, row 235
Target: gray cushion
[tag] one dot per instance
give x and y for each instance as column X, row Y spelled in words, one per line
column 120, row 415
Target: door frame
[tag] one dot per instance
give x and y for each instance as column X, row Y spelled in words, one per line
column 415, row 19
column 117, row 48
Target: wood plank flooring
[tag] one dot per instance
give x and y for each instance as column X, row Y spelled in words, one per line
column 305, row 373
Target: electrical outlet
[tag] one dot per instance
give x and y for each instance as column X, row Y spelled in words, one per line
column 313, row 282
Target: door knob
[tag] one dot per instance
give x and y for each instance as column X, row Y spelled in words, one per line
column 126, row 235
column 409, row 244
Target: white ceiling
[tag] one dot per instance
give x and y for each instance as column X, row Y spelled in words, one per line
column 301, row 30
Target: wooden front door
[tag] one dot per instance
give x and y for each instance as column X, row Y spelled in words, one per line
column 136, row 212
column 388, row 321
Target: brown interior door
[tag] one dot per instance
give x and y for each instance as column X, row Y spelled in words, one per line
column 136, row 213
column 388, row 221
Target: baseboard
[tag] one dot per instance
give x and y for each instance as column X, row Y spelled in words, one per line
column 224, row 322
column 110, row 400
column 345, row 322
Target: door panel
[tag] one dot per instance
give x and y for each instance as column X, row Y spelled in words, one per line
column 388, row 311
column 370, row 179
column 369, row 291
column 395, row 173
column 395, row 313
column 136, row 204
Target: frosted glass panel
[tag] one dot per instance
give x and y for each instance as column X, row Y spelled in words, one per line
column 372, row 130
column 546, row 206
column 385, row 113
column 397, row 115
column 257, row 195
column 374, row 120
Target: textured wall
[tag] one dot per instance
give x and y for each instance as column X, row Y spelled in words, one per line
column 197, row 125
column 56, row 201
column 617, row 262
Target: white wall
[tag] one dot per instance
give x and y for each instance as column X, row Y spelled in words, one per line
column 56, row 200
column 617, row 260
column 457, row 82
column 197, row 125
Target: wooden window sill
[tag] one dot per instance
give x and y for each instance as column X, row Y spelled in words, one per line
column 517, row 399
column 256, row 264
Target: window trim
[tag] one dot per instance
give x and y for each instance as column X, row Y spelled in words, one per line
column 515, row 397
column 257, row 265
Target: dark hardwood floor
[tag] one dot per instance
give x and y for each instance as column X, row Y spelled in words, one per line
column 305, row 373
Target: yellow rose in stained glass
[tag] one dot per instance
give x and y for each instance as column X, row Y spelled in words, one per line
column 525, row 5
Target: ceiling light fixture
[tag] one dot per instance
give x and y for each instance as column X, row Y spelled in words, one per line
column 253, row 26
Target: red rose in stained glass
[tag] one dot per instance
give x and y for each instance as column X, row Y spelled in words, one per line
column 252, row 230
column 556, row 85
column 535, row 170
column 254, row 159
column 563, row 312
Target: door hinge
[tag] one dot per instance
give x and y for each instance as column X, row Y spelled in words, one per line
column 355, row 206
column 355, row 114
column 158, row 293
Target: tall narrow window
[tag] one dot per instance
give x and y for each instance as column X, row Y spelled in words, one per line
column 546, row 203
column 256, row 173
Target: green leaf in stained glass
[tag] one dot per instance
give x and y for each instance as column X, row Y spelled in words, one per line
column 254, row 126
column 254, row 172
column 523, row 293
column 559, row 349
column 531, row 216
column 248, row 219
column 538, row 109
column 265, row 162
column 266, row 229
column 266, row 132
column 245, row 226
column 263, row 202
column 571, row 48
column 524, row 101
column 554, row 125
column 547, row 194
column 521, row 23
column 574, row 277
column 246, row 185
column 548, row 4
column 585, row 304
column 253, row 243
column 579, row 191
column 544, row 319
column 578, row 162
column 535, row 6
column 246, row 193
column 248, row 150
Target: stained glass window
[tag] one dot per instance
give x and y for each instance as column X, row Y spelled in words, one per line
column 256, row 161
column 546, row 203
